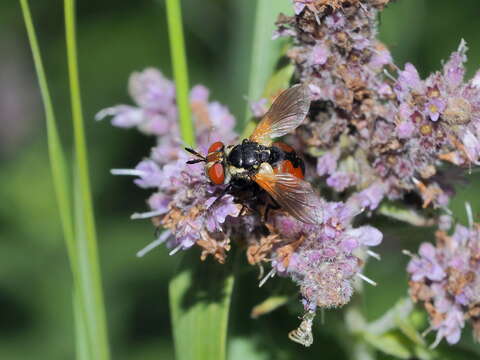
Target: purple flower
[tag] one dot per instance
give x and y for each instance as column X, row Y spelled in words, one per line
column 315, row 91
column 443, row 277
column 368, row 198
column 149, row 174
column 341, row 180
column 451, row 328
column 320, row 54
column 259, row 108
column 381, row 57
column 124, row 116
column 199, row 94
column 160, row 202
column 219, row 212
column 213, row 121
column 168, row 149
column 151, row 90
column 472, row 145
column 327, row 164
column 426, row 266
column 476, row 80
column 367, row 235
column 453, row 70
column 182, row 192
column 405, row 129
column 319, row 258
column 335, row 21
column 410, row 79
column 155, row 96
column 298, row 7
column 434, row 108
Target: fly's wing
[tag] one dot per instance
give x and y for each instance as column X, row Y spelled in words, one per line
column 286, row 113
column 294, row 195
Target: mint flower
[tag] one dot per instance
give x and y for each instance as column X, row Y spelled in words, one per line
column 154, row 96
column 372, row 126
column 323, row 259
column 181, row 203
column 444, row 278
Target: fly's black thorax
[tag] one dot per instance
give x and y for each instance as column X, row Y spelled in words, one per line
column 248, row 155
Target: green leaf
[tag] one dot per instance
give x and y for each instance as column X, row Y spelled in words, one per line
column 89, row 276
column 389, row 320
column 265, row 52
column 449, row 352
column 391, row 343
column 405, row 325
column 241, row 348
column 200, row 294
column 424, row 353
column 180, row 70
column 401, row 212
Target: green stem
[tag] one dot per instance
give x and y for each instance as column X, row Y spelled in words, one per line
column 90, row 274
column 180, row 70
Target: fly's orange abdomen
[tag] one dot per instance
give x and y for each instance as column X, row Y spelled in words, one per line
column 286, row 166
column 292, row 164
column 283, row 146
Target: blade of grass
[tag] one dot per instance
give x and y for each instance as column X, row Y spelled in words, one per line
column 82, row 344
column 265, row 52
column 55, row 151
column 180, row 71
column 89, row 268
column 60, row 182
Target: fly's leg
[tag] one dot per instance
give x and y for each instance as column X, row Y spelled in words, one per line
column 271, row 205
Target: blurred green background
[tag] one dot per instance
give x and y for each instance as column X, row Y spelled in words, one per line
column 116, row 38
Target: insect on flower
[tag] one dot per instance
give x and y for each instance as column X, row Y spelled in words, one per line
column 259, row 165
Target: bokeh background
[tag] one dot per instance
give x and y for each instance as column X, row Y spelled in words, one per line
column 116, row 38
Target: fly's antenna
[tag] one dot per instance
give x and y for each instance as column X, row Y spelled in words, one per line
column 201, row 158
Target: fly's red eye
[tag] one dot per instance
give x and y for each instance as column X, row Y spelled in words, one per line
column 216, row 173
column 216, row 146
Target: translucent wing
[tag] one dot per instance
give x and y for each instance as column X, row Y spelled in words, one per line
column 294, row 195
column 286, row 113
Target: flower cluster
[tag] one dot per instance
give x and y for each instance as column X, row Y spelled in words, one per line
column 445, row 278
column 323, row 259
column 369, row 126
column 183, row 194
